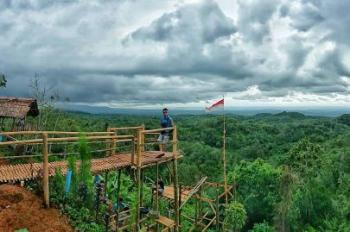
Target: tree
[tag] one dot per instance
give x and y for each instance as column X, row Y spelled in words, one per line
column 305, row 158
column 287, row 185
column 2, row 80
column 257, row 186
column 262, row 227
column 235, row 216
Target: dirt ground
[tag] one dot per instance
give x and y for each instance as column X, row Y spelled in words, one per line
column 20, row 208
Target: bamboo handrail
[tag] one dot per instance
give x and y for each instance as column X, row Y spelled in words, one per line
column 112, row 129
column 157, row 130
column 65, row 139
column 53, row 133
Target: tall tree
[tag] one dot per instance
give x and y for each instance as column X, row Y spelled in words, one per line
column 2, row 80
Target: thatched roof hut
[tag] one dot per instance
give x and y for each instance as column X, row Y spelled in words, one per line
column 11, row 107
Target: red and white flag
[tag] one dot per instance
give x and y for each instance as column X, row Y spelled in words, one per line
column 217, row 105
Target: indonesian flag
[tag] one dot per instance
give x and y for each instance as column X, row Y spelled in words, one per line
column 217, row 105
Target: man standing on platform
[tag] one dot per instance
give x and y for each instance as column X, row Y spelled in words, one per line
column 165, row 122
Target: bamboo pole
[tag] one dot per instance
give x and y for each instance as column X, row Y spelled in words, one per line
column 180, row 196
column 54, row 133
column 138, row 179
column 133, row 152
column 143, row 137
column 118, row 196
column 65, row 139
column 46, row 170
column 142, row 188
column 157, row 197
column 217, row 208
column 126, row 128
column 106, row 184
column 139, row 148
column 114, row 144
column 157, row 130
column 108, row 145
column 224, row 154
column 175, row 178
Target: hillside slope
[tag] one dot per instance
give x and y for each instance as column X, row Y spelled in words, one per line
column 20, row 208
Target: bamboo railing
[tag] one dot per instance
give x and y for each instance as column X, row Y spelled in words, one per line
column 46, row 138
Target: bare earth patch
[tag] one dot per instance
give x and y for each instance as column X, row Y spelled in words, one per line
column 20, row 208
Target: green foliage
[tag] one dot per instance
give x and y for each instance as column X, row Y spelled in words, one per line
column 85, row 157
column 283, row 208
column 305, row 157
column 81, row 218
column 345, row 119
column 292, row 171
column 262, row 227
column 235, row 216
column 258, row 185
column 2, row 81
column 57, row 187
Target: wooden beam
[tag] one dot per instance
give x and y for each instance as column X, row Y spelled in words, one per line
column 65, row 139
column 46, row 170
column 138, row 180
column 143, row 137
column 54, row 133
column 126, row 128
column 157, row 130
column 118, row 196
column 217, row 205
column 175, row 179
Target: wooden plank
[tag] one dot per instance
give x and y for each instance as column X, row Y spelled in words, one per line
column 166, row 221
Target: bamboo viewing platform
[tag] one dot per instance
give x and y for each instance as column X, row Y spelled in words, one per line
column 114, row 157
column 30, row 171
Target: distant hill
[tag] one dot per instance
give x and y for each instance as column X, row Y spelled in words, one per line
column 345, row 119
column 292, row 112
column 263, row 115
column 296, row 115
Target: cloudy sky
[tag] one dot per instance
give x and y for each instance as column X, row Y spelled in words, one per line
column 142, row 53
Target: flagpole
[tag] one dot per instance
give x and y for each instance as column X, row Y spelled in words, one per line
column 224, row 153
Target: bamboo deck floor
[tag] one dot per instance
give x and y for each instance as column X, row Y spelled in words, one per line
column 169, row 193
column 30, row 171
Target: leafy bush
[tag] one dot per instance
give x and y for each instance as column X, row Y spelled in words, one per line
column 235, row 216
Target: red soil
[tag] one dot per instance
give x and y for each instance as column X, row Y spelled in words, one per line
column 20, row 208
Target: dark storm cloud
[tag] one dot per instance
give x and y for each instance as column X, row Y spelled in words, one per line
column 132, row 52
column 201, row 23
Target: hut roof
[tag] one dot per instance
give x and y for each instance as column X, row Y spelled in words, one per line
column 12, row 107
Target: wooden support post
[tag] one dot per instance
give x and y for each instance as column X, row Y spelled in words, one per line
column 143, row 137
column 200, row 208
column 133, row 152
column 106, row 183
column 139, row 148
column 108, row 145
column 118, row 196
column 180, row 195
column 170, row 173
column 46, row 170
column 217, row 212
column 157, row 197
column 196, row 212
column 142, row 181
column 114, row 144
column 138, row 179
column 138, row 202
column 175, row 178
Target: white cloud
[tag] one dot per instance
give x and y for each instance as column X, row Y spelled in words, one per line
column 176, row 50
